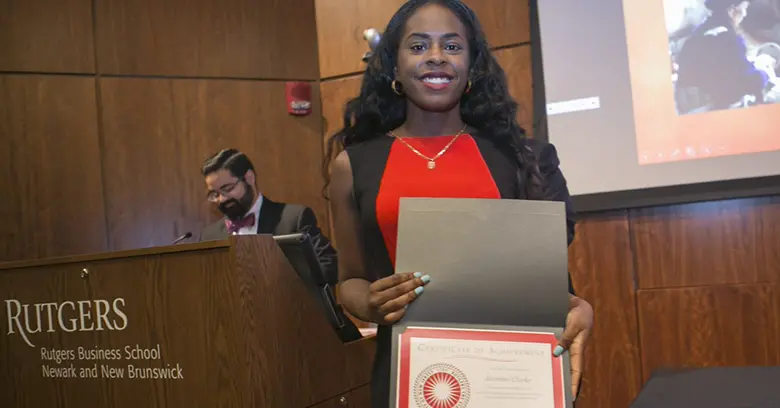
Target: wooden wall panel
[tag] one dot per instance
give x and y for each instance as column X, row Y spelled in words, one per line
column 722, row 242
column 340, row 26
column 335, row 95
column 46, row 36
column 208, row 38
column 516, row 62
column 158, row 132
column 505, row 22
column 723, row 325
column 49, row 168
column 357, row 398
column 602, row 271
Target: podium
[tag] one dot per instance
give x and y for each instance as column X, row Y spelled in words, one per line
column 213, row 324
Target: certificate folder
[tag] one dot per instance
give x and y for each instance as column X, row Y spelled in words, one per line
column 497, row 262
column 496, row 267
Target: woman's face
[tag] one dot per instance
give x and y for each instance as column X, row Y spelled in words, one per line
column 433, row 59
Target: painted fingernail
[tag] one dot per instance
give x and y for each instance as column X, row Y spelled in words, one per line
column 558, row 351
column 417, row 274
column 426, row 278
column 419, row 290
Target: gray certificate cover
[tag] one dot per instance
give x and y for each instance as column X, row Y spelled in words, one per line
column 491, row 262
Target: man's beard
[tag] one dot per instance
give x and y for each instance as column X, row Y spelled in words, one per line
column 235, row 209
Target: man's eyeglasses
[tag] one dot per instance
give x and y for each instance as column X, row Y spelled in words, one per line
column 213, row 195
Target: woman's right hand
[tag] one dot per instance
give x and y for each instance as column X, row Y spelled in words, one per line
column 388, row 297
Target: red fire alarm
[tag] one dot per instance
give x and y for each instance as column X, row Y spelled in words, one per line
column 298, row 98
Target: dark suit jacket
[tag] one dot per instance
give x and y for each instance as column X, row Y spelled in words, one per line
column 282, row 219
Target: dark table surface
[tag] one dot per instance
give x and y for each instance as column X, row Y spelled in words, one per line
column 715, row 387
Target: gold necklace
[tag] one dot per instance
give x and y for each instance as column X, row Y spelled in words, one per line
column 431, row 160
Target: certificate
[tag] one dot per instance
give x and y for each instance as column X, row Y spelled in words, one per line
column 491, row 262
column 457, row 368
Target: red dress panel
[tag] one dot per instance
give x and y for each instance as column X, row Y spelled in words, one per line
column 461, row 172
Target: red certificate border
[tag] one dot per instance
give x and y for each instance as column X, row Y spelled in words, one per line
column 402, row 393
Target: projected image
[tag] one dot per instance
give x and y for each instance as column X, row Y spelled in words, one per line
column 643, row 94
column 725, row 54
column 704, row 77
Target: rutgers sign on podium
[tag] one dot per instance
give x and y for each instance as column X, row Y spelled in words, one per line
column 214, row 324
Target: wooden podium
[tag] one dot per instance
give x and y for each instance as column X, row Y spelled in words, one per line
column 215, row 324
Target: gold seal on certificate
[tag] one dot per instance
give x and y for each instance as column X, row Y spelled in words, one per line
column 459, row 368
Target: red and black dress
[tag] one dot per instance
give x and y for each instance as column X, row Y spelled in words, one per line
column 384, row 170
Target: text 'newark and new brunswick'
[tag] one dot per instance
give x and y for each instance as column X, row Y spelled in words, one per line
column 133, row 361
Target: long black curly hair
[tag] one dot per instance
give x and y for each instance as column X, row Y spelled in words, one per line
column 487, row 107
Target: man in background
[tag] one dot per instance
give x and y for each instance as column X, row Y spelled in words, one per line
column 232, row 187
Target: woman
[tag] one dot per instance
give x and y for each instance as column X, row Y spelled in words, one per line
column 434, row 118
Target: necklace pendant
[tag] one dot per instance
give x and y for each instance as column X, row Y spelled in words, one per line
column 431, row 165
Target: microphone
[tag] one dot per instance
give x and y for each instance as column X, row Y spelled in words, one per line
column 372, row 36
column 182, row 238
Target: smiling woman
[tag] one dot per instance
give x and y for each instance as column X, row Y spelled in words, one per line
column 434, row 118
column 433, row 65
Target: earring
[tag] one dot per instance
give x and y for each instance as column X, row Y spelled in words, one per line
column 468, row 87
column 394, row 85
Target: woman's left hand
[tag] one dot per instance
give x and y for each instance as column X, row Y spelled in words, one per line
column 579, row 322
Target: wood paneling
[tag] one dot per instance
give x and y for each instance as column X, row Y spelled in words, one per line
column 516, row 62
column 601, row 267
column 505, row 22
column 722, row 242
column 158, row 132
column 358, row 398
column 340, row 26
column 335, row 95
column 723, row 325
column 208, row 38
column 46, row 36
column 49, row 167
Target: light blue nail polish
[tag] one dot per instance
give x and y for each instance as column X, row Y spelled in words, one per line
column 417, row 274
column 558, row 351
column 426, row 278
column 419, row 290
